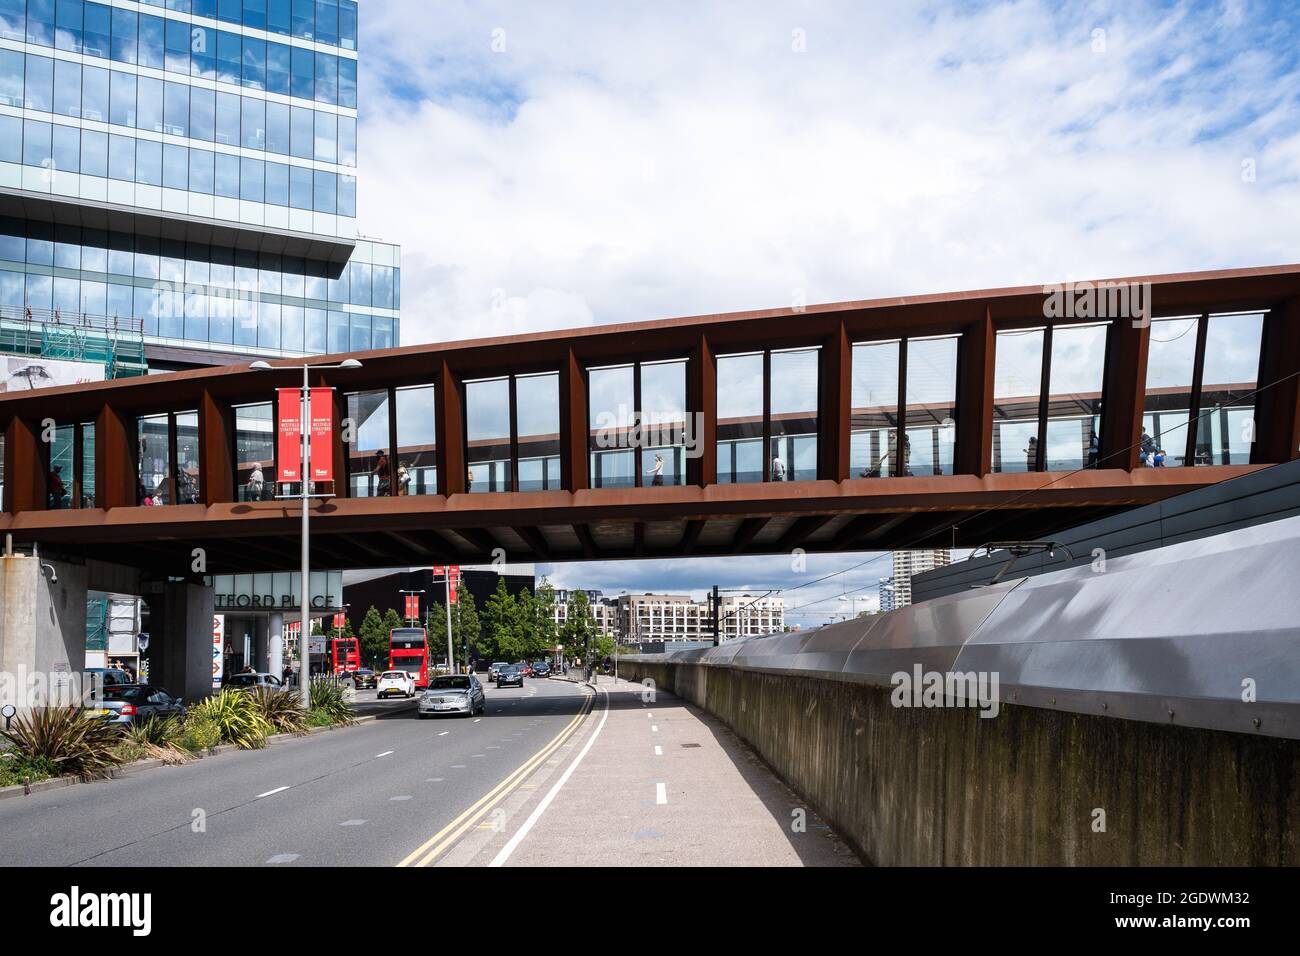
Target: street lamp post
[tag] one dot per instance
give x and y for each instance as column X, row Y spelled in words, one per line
column 304, row 477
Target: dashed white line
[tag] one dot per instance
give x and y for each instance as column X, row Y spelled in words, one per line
column 659, row 751
column 654, row 728
column 283, row 858
column 444, row 733
column 384, row 754
column 661, row 793
column 352, row 823
column 269, row 793
column 404, row 796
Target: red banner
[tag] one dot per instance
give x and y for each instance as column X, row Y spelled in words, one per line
column 450, row 573
column 412, row 606
column 290, row 434
column 322, row 434
column 338, row 621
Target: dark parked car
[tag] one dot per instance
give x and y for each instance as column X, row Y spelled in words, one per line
column 248, row 680
column 542, row 669
column 135, row 703
column 364, row 678
column 512, row 675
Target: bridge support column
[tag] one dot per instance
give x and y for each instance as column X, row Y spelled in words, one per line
column 275, row 644
column 180, row 645
column 261, row 645
column 42, row 631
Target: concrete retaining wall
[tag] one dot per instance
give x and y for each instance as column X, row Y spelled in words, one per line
column 946, row 787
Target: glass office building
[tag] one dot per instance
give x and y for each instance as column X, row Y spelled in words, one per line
column 189, row 166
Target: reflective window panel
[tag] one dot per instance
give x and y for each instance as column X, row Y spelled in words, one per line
column 740, row 418
column 793, row 451
column 1074, row 396
column 370, row 471
column 931, row 406
column 255, row 469
column 537, row 399
column 487, row 435
column 873, row 425
column 1017, row 384
column 1226, row 425
column 417, row 446
column 1166, row 408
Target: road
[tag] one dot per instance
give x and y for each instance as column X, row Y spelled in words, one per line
column 367, row 795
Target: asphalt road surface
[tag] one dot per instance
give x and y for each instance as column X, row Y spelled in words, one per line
column 368, row 795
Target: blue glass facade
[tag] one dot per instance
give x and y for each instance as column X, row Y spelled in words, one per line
column 230, row 113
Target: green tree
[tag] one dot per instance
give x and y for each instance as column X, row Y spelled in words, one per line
column 466, row 629
column 579, row 626
column 374, row 640
column 540, row 630
column 502, row 635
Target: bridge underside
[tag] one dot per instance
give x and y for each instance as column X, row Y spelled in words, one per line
column 607, row 524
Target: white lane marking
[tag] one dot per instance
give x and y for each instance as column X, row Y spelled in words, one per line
column 536, row 815
column 352, row 823
column 659, row 751
column 405, row 796
column 477, row 719
column 283, row 858
column 435, row 779
column 384, row 754
column 661, row 794
column 269, row 792
column 654, row 728
column 649, row 714
column 444, row 733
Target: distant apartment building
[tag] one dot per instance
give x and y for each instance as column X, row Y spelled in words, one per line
column 602, row 610
column 888, row 599
column 679, row 617
column 908, row 563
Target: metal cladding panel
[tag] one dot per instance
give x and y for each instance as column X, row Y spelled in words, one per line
column 1174, row 635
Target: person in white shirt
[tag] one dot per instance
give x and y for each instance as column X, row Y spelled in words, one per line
column 657, row 471
column 256, row 481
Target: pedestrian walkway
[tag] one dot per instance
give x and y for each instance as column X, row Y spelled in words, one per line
column 657, row 783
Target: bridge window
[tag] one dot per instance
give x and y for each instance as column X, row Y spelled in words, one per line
column 512, row 432
column 370, row 470
column 1201, row 370
column 1062, row 433
column 931, row 405
column 874, row 418
column 537, row 416
column 255, row 465
column 1166, row 409
column 1226, row 428
column 1074, row 400
column 740, row 418
column 417, row 446
column 488, row 435
column 611, row 416
column 1017, row 384
column 651, row 395
column 85, row 494
column 792, row 417
column 167, row 462
column 913, row 380
column 59, row 482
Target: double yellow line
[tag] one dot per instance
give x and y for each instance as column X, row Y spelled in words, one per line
column 440, row 842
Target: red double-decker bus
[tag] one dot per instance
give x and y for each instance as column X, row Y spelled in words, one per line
column 408, row 650
column 345, row 654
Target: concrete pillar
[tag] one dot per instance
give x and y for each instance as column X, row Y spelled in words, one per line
column 180, row 639
column 261, row 649
column 275, row 640
column 42, row 630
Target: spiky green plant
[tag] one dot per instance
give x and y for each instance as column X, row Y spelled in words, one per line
column 282, row 709
column 68, row 738
column 328, row 700
column 198, row 733
column 155, row 737
column 238, row 718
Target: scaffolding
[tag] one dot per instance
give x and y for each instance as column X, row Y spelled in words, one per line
column 116, row 343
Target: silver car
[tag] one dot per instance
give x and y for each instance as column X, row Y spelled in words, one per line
column 453, row 694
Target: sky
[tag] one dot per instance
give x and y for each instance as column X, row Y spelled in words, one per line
column 570, row 164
